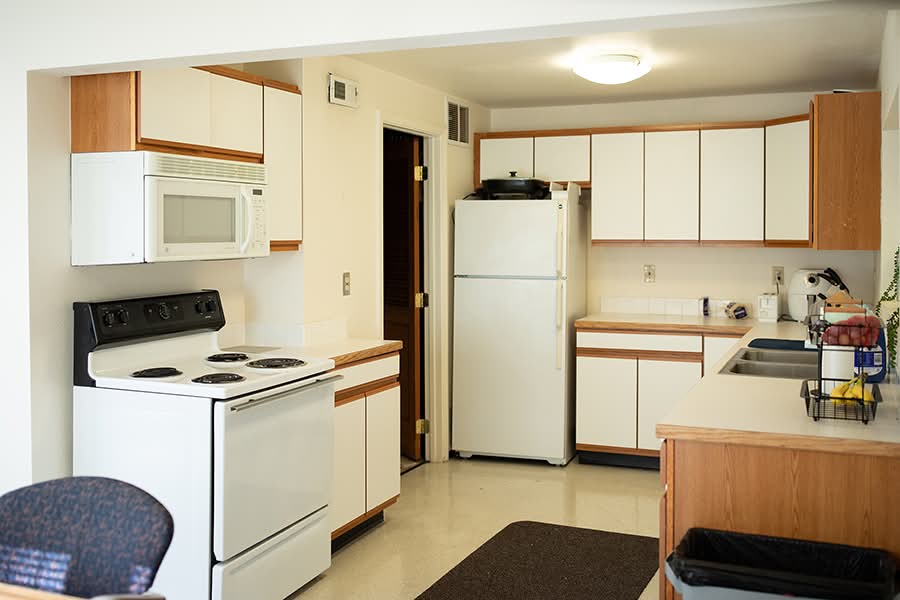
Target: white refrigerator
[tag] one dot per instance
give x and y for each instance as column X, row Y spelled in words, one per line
column 519, row 283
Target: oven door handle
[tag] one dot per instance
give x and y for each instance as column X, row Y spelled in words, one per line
column 306, row 385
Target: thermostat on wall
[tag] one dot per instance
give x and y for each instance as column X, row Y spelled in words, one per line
column 343, row 91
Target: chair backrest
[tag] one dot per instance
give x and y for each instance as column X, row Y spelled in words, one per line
column 82, row 536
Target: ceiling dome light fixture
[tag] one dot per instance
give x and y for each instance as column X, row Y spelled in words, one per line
column 612, row 69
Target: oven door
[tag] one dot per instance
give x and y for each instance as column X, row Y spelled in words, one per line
column 271, row 461
column 190, row 219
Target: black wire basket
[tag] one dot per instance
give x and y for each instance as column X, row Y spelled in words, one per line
column 824, row 406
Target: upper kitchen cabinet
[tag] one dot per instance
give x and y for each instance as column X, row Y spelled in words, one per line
column 235, row 114
column 671, row 185
column 283, row 151
column 732, row 185
column 847, row 171
column 563, row 158
column 174, row 106
column 617, row 193
column 183, row 111
column 787, row 182
column 501, row 156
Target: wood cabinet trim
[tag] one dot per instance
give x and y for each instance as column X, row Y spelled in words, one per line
column 733, row 125
column 284, row 245
column 364, row 517
column 646, row 243
column 788, row 244
column 785, row 120
column 280, row 85
column 718, row 334
column 104, row 112
column 669, row 447
column 385, row 351
column 531, row 133
column 197, row 150
column 663, row 355
column 779, row 440
column 232, row 73
column 661, row 328
column 617, row 450
column 370, row 387
column 733, row 243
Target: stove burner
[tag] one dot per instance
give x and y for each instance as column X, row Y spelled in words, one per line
column 276, row 363
column 228, row 357
column 219, row 378
column 157, row 372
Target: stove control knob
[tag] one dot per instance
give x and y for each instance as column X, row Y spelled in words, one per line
column 200, row 307
column 109, row 319
column 163, row 310
column 122, row 315
column 211, row 305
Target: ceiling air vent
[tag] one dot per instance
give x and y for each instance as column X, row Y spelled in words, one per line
column 457, row 122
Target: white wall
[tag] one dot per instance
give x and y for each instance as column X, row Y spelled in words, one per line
column 749, row 107
column 735, row 273
column 55, row 284
column 341, row 197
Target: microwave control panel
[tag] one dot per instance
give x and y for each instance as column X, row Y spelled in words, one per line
column 260, row 234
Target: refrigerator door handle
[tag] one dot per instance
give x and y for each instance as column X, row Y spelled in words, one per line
column 559, row 240
column 559, row 323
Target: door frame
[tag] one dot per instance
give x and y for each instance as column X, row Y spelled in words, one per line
column 436, row 272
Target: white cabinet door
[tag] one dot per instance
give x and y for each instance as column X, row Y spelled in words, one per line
column 283, row 157
column 348, row 491
column 174, row 106
column 731, row 184
column 714, row 349
column 787, row 181
column 502, row 155
column 605, row 401
column 617, row 186
column 382, row 446
column 672, row 185
column 562, row 158
column 660, row 385
column 236, row 114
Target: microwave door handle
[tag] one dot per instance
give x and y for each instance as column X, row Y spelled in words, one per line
column 247, row 227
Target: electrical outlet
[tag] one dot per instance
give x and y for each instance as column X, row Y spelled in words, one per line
column 346, row 281
column 778, row 276
column 649, row 273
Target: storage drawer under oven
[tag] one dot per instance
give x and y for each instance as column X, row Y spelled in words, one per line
column 272, row 460
column 275, row 569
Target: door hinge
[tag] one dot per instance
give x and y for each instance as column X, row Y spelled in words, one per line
column 423, row 426
column 420, row 173
column 421, row 300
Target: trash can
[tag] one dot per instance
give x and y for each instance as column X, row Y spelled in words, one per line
column 723, row 565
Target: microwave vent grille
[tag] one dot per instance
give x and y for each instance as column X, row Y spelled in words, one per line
column 173, row 165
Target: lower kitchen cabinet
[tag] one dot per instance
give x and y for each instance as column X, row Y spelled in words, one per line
column 714, row 348
column 366, row 442
column 660, row 384
column 382, row 446
column 606, row 401
column 348, row 497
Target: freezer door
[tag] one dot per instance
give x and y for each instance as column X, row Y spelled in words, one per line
column 518, row 238
column 509, row 384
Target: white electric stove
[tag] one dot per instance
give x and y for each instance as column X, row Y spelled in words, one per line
column 236, row 444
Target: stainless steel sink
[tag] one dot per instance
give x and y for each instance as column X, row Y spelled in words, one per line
column 785, row 364
column 793, row 357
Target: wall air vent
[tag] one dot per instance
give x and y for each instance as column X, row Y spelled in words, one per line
column 457, row 122
column 343, row 91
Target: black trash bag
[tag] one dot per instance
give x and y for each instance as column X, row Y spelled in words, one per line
column 782, row 566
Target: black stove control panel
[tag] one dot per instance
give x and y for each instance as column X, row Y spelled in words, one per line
column 129, row 320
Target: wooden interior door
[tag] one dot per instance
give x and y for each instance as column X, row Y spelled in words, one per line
column 403, row 276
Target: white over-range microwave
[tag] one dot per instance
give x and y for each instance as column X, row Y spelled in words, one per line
column 134, row 207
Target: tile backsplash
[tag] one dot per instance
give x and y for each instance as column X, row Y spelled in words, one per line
column 663, row 306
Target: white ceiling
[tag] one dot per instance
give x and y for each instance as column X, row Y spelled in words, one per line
column 798, row 54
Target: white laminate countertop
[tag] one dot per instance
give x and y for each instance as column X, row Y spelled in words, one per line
column 352, row 349
column 770, row 411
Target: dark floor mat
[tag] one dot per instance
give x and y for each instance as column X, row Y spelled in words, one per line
column 529, row 560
